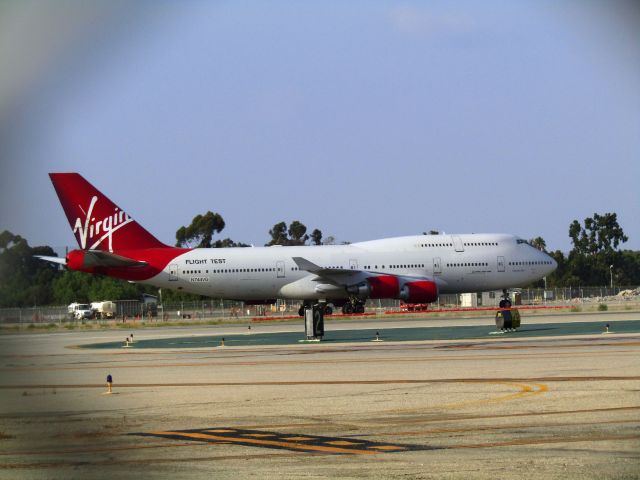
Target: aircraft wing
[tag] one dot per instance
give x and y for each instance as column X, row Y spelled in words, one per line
column 341, row 277
column 335, row 276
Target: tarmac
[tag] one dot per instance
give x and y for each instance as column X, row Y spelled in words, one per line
column 437, row 398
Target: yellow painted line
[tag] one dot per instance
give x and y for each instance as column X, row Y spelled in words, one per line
column 273, row 443
column 258, row 435
column 525, row 391
column 297, row 439
column 221, row 430
column 387, row 447
column 342, row 443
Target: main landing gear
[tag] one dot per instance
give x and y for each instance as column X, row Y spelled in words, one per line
column 353, row 306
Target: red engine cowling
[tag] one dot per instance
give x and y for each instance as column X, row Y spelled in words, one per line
column 384, row 286
column 419, row 292
column 75, row 260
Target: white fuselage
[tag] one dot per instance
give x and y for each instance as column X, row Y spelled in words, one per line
column 457, row 263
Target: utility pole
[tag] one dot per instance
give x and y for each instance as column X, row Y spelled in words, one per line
column 611, row 274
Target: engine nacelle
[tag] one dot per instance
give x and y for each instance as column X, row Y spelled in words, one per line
column 419, row 292
column 383, row 286
column 75, row 260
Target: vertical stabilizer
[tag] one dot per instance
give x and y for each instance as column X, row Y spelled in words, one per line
column 96, row 221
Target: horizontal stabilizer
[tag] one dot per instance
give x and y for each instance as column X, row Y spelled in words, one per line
column 59, row 260
column 94, row 258
column 100, row 258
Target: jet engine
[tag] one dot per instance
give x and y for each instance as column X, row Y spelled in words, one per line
column 419, row 292
column 383, row 286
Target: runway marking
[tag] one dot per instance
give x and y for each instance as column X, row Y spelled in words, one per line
column 401, row 381
column 92, row 450
column 306, row 443
column 539, row 441
column 145, row 461
column 208, row 363
column 431, row 431
column 462, row 417
column 525, row 391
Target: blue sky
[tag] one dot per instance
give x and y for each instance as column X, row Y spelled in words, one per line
column 364, row 119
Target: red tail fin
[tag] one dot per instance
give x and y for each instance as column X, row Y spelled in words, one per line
column 96, row 221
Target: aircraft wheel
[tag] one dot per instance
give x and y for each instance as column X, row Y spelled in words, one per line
column 359, row 308
column 301, row 311
column 328, row 310
column 347, row 309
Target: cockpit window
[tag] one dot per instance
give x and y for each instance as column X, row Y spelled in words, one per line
column 519, row 240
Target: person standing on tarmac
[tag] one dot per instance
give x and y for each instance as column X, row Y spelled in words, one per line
column 109, row 382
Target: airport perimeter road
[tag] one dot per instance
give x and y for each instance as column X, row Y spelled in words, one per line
column 554, row 406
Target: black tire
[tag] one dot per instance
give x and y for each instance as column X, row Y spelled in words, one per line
column 328, row 310
column 301, row 311
column 359, row 308
column 347, row 309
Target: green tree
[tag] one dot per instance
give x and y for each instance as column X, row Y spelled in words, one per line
column 330, row 240
column 595, row 250
column 297, row 233
column 316, row 237
column 600, row 233
column 278, row 234
column 227, row 243
column 25, row 281
column 200, row 232
column 82, row 287
column 538, row 243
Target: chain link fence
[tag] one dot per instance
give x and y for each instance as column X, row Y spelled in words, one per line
column 222, row 310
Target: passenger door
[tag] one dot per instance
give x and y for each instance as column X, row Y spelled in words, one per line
column 280, row 269
column 457, row 243
column 437, row 266
column 501, row 264
column 173, row 272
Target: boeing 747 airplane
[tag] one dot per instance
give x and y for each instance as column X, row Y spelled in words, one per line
column 415, row 269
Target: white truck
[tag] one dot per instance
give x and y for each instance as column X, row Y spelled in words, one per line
column 80, row 311
column 106, row 309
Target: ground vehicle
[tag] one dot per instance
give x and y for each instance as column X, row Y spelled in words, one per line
column 80, row 311
column 106, row 309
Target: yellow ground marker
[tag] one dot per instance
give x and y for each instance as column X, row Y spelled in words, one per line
column 271, row 443
column 343, row 443
column 387, row 447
